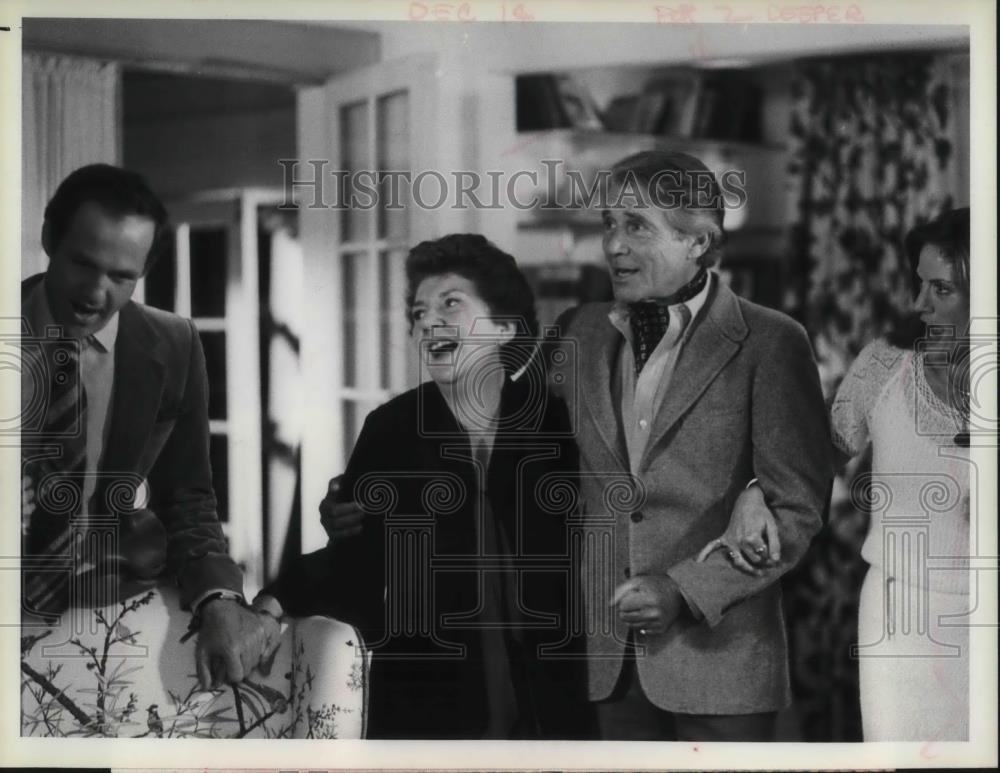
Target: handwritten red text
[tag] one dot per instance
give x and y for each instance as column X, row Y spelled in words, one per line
column 441, row 11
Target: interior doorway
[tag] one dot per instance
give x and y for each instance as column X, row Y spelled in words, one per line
column 209, row 146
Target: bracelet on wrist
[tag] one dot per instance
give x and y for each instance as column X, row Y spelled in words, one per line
column 217, row 596
column 195, row 623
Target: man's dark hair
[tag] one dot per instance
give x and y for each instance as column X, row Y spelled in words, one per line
column 494, row 274
column 950, row 233
column 117, row 191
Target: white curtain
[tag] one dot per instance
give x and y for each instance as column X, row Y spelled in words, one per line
column 70, row 117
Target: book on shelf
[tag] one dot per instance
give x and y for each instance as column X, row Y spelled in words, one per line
column 687, row 104
column 538, row 105
column 554, row 102
column 650, row 110
column 729, row 109
column 620, row 114
column 675, row 98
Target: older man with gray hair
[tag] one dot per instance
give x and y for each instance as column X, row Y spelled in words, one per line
column 683, row 392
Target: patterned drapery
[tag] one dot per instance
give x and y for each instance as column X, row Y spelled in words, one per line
column 876, row 149
column 873, row 154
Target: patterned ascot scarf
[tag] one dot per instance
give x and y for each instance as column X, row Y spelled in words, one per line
column 650, row 318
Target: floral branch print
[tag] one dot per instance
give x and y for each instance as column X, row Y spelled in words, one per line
column 56, row 693
column 98, row 690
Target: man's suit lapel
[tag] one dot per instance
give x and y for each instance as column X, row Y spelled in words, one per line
column 139, row 377
column 598, row 389
column 27, row 286
column 714, row 341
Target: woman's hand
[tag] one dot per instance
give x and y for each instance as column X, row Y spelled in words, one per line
column 751, row 540
column 339, row 520
column 648, row 603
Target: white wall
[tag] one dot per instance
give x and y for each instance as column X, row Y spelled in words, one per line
column 543, row 46
column 279, row 51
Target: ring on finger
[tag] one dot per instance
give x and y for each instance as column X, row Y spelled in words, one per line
column 759, row 550
column 731, row 554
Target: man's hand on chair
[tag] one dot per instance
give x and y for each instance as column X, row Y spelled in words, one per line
column 233, row 640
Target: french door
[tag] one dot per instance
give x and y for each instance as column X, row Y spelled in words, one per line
column 355, row 349
column 213, row 279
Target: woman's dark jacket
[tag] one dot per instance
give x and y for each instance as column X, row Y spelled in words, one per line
column 411, row 581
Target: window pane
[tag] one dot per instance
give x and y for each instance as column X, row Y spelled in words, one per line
column 208, row 272
column 393, row 148
column 392, row 318
column 349, row 310
column 218, row 455
column 385, row 321
column 214, row 344
column 354, row 412
column 161, row 283
column 355, row 136
column 351, row 427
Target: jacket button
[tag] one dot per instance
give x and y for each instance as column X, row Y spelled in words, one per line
column 636, row 517
column 628, row 572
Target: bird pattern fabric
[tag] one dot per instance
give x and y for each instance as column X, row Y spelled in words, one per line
column 118, row 671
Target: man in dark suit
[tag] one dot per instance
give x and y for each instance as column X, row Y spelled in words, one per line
column 124, row 402
column 682, row 393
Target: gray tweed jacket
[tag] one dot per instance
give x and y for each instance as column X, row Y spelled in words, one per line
column 744, row 402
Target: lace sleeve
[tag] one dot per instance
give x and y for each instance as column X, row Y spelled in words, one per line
column 858, row 392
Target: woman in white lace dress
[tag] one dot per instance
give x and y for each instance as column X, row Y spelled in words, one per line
column 909, row 400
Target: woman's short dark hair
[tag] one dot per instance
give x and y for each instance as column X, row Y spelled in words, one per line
column 494, row 274
column 687, row 190
column 120, row 193
column 950, row 233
